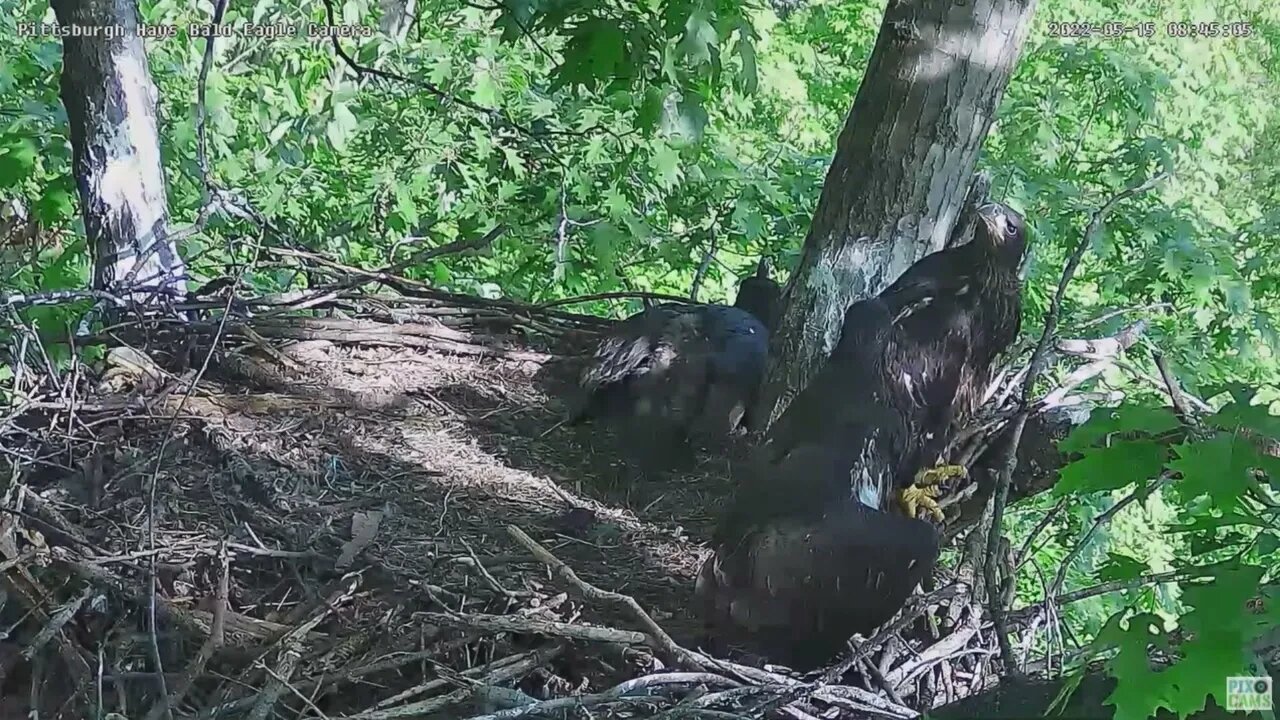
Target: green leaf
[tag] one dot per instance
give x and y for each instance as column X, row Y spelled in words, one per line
column 55, row 206
column 699, row 38
column 1236, row 415
column 441, row 69
column 515, row 162
column 747, row 218
column 1121, row 567
column 1119, row 465
column 486, row 91
column 1201, row 523
column 607, row 48
column 340, row 129
column 1268, row 543
column 639, row 229
column 1220, row 467
column 542, row 108
column 606, row 241
column 405, row 206
column 1220, row 630
column 595, row 151
column 1240, row 393
column 650, row 110
column 1138, row 688
column 688, row 122
column 1124, row 419
column 666, row 163
column 515, row 19
column 17, row 160
column 507, row 190
column 616, row 204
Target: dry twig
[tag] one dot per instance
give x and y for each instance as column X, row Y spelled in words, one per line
column 657, row 637
column 1038, row 359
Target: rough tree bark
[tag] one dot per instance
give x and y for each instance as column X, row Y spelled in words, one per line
column 901, row 169
column 111, row 108
column 397, row 17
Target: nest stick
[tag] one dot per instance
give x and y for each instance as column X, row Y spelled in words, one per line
column 551, row 628
column 658, row 638
column 1039, row 358
column 210, row 646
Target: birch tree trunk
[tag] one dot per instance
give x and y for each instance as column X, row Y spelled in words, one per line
column 902, row 168
column 111, row 108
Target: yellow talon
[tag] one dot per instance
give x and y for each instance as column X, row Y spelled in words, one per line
column 922, row 493
column 940, row 474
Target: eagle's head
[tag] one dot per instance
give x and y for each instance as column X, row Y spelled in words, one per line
column 760, row 295
column 1002, row 233
column 762, row 268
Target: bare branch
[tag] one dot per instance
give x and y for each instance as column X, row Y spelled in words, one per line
column 614, row 296
column 1171, row 384
column 657, row 636
column 1038, row 359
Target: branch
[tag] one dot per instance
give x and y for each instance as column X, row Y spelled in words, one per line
column 615, row 296
column 658, row 638
column 641, row 689
column 450, row 248
column 1171, row 385
column 702, row 266
column 447, row 98
column 1038, row 359
column 57, row 297
column 1025, row 551
column 1103, row 353
column 1106, row 517
column 534, row 626
column 1104, row 348
column 916, row 605
column 211, row 644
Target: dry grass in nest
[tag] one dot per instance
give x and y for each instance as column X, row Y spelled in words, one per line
column 369, row 536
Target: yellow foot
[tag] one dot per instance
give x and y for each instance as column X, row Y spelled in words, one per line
column 940, row 474
column 924, row 491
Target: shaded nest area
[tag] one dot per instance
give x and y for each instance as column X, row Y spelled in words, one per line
column 371, row 514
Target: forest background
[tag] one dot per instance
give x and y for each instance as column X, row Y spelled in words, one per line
column 663, row 146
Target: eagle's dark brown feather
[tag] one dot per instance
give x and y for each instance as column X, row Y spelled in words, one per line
column 870, row 560
column 809, row 551
column 674, row 366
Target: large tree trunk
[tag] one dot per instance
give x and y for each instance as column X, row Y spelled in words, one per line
column 902, row 166
column 111, row 107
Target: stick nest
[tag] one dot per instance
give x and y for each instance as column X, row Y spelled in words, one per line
column 358, row 516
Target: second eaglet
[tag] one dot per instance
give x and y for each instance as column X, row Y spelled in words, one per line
column 822, row 538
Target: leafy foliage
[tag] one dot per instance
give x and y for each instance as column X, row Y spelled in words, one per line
column 1226, row 521
column 622, row 142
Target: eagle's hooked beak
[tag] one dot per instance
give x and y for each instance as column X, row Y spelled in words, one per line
column 993, row 216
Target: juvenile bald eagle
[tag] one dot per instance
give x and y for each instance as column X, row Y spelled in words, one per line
column 811, row 549
column 673, row 368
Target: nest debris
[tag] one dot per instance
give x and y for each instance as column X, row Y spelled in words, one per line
column 372, row 523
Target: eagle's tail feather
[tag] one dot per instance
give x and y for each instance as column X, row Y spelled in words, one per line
column 803, row 588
